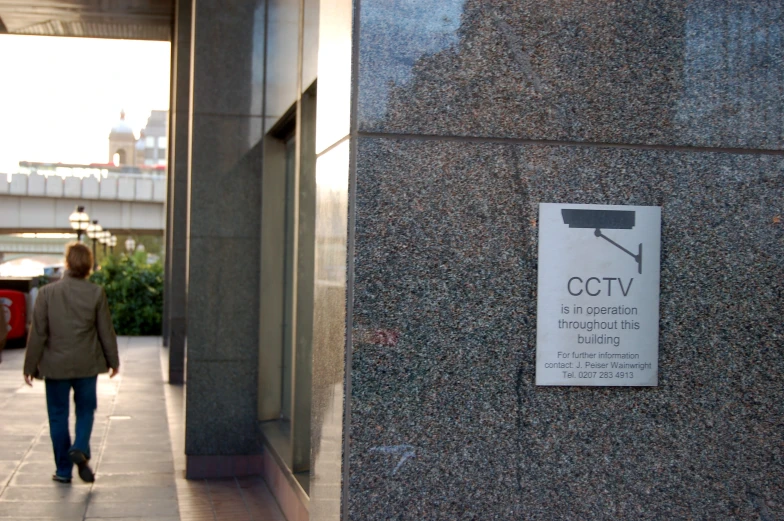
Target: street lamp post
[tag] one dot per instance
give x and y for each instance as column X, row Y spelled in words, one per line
column 130, row 245
column 104, row 239
column 112, row 243
column 79, row 221
column 94, row 232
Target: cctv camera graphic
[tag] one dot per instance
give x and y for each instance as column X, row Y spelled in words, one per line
column 607, row 219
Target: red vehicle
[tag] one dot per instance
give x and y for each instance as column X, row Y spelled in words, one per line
column 14, row 305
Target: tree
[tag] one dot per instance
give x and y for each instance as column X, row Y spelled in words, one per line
column 135, row 293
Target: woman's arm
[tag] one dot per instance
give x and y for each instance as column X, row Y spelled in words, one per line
column 106, row 334
column 39, row 334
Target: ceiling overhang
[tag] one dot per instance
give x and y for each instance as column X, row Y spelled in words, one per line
column 121, row 19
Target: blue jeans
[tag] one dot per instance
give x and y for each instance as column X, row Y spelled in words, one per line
column 85, row 399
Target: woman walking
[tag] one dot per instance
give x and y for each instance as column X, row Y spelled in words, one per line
column 71, row 341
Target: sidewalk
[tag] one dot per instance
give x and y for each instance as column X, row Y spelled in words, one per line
column 138, row 454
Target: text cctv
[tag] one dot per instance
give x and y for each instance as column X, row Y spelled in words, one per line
column 593, row 286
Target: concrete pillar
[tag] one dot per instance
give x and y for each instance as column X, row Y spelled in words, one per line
column 167, row 231
column 177, row 259
column 224, row 179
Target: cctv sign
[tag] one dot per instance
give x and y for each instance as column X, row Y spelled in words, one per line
column 598, row 295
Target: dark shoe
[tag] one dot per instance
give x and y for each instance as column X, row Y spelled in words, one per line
column 60, row 479
column 80, row 460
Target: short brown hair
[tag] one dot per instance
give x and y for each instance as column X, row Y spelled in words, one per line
column 78, row 259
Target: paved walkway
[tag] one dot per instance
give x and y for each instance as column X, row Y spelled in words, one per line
column 137, row 449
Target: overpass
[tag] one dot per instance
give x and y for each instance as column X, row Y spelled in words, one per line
column 133, row 20
column 121, row 202
column 17, row 246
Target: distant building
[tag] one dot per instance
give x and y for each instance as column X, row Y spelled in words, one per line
column 151, row 147
column 122, row 143
column 149, row 150
column 127, row 153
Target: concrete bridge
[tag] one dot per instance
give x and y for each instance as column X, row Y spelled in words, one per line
column 120, row 202
column 18, row 246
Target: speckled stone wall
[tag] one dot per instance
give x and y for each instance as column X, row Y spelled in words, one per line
column 671, row 72
column 444, row 340
column 469, row 113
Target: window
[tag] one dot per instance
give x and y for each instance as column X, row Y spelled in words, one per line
column 287, row 268
column 289, row 265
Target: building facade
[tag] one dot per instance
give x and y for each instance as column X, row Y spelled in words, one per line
column 149, row 150
column 122, row 143
column 352, row 252
column 152, row 147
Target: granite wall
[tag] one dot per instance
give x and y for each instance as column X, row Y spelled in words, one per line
column 444, row 340
column 466, row 115
column 224, row 219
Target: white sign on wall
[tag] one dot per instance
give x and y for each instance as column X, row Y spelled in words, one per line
column 598, row 295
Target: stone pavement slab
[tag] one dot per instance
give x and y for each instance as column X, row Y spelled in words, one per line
column 138, row 453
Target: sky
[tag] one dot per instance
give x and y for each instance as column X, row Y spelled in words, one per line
column 60, row 97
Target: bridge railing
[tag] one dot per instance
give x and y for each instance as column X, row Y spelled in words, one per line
column 115, row 187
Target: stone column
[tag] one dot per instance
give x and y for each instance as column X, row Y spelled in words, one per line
column 224, row 180
column 167, row 232
column 177, row 217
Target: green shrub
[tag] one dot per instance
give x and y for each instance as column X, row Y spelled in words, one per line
column 135, row 292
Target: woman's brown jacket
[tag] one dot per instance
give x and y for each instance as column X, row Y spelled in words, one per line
column 72, row 334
